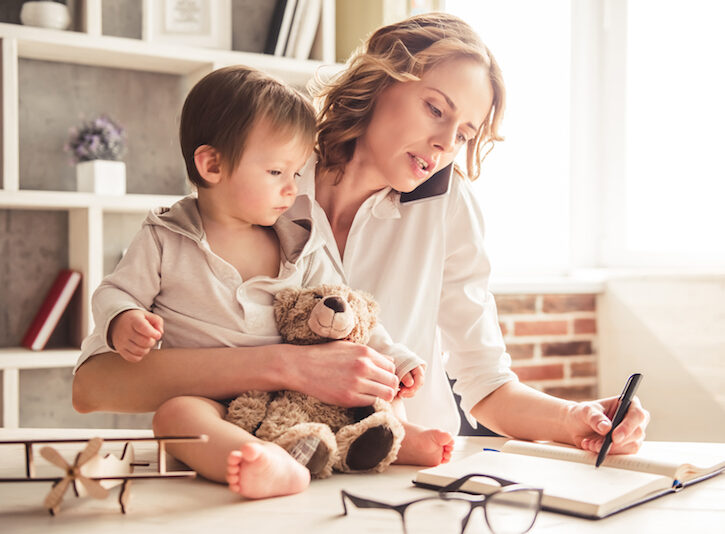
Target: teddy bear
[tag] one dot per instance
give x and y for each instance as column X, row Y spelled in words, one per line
column 322, row 436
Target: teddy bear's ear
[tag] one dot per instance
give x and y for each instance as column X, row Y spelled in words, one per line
column 284, row 301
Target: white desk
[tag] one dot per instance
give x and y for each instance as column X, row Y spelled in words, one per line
column 200, row 506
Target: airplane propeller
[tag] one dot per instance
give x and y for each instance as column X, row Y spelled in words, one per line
column 73, row 474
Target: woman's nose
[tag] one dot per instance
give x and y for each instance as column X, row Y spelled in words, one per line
column 445, row 139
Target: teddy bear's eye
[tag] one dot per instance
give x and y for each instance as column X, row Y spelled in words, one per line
column 317, row 295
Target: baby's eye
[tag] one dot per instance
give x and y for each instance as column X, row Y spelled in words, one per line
column 434, row 110
column 297, row 175
column 274, row 172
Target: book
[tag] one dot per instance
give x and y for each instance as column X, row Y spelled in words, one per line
column 51, row 310
column 297, row 18
column 275, row 26
column 571, row 483
column 307, row 20
column 280, row 27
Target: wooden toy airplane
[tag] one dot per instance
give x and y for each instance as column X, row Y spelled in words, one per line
column 93, row 475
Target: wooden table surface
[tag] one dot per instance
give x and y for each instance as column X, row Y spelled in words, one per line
column 199, row 506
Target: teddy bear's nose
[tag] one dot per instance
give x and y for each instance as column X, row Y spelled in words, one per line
column 336, row 304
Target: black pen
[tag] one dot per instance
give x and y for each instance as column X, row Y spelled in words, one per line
column 625, row 399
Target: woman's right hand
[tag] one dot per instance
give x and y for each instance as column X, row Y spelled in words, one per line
column 341, row 373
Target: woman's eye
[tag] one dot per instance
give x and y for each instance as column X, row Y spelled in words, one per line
column 461, row 138
column 434, row 110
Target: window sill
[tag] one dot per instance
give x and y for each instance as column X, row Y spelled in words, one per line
column 591, row 280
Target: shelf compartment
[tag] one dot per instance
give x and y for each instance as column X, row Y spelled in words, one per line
column 12, row 360
column 35, row 247
column 146, row 104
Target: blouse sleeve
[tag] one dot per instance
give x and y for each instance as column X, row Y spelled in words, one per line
column 134, row 284
column 467, row 315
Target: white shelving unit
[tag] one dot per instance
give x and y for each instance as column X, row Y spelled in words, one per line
column 86, row 211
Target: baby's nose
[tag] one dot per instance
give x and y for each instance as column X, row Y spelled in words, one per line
column 336, row 304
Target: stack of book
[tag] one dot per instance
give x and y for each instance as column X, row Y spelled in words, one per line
column 293, row 29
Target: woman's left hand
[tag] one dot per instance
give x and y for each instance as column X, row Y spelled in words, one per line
column 588, row 422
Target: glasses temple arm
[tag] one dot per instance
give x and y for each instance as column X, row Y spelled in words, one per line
column 344, row 504
column 362, row 502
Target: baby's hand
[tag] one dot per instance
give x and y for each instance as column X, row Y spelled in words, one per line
column 134, row 333
column 412, row 382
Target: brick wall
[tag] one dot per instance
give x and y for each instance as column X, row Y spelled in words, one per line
column 552, row 340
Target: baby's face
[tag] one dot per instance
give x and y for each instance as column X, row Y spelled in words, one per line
column 263, row 184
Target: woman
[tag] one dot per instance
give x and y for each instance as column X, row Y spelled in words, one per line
column 414, row 96
column 406, row 105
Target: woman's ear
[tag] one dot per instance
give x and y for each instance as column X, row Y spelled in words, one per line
column 208, row 163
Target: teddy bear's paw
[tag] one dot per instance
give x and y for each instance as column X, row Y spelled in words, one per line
column 370, row 448
column 369, row 445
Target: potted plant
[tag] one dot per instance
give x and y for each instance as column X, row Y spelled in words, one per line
column 97, row 147
column 46, row 14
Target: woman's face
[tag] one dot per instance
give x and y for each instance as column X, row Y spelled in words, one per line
column 418, row 127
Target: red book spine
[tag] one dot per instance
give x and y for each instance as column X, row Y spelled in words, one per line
column 50, row 312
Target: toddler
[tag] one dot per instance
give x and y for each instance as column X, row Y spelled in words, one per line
column 203, row 273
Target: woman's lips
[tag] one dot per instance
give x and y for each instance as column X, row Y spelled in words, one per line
column 417, row 169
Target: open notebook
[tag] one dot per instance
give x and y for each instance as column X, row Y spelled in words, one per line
column 572, row 484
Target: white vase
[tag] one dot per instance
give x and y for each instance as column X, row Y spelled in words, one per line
column 101, row 176
column 45, row 14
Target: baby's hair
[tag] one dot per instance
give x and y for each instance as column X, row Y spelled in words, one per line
column 221, row 109
column 401, row 52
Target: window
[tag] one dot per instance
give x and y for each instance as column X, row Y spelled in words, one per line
column 675, row 173
column 614, row 126
column 524, row 183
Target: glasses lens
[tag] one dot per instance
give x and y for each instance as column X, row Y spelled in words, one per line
column 512, row 512
column 437, row 516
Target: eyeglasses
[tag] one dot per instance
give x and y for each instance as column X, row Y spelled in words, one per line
column 510, row 509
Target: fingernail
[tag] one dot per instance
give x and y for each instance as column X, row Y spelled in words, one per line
column 602, row 426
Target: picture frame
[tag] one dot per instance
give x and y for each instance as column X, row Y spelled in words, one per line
column 203, row 23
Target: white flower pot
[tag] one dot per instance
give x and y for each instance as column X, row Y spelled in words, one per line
column 101, row 177
column 45, row 14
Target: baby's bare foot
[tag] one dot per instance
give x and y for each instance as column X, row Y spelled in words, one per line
column 259, row 470
column 424, row 446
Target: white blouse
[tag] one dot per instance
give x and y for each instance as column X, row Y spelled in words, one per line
column 421, row 256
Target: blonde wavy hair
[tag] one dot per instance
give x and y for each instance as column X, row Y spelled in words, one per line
column 400, row 52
